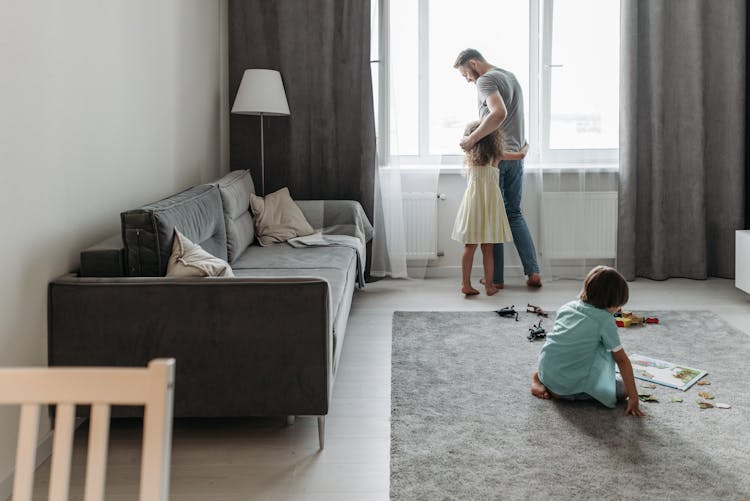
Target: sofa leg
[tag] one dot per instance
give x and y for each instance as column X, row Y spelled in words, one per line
column 321, row 431
column 290, row 420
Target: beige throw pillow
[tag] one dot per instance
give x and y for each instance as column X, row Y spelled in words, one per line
column 278, row 218
column 190, row 260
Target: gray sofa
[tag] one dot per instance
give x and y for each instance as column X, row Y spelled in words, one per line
column 264, row 343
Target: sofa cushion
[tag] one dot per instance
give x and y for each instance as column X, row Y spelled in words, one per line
column 147, row 232
column 235, row 189
column 190, row 260
column 277, row 218
column 280, row 257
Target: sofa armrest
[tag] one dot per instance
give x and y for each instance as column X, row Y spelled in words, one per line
column 244, row 346
column 104, row 259
column 345, row 217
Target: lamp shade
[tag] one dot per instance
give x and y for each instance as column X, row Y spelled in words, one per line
column 261, row 92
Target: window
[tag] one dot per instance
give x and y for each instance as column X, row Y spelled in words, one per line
column 581, row 80
column 563, row 52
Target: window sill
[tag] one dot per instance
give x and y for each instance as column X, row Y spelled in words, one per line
column 529, row 167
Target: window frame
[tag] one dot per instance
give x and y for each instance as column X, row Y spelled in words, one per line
column 538, row 101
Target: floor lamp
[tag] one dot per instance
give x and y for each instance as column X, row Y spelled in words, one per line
column 261, row 93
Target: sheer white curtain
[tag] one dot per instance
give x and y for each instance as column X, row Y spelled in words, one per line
column 389, row 242
column 397, row 106
column 390, row 252
column 391, row 256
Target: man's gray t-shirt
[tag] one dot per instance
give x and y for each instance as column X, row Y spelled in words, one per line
column 504, row 82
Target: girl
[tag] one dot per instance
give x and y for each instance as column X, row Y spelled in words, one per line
column 481, row 218
column 577, row 362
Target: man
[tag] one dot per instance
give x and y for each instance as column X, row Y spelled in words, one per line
column 501, row 106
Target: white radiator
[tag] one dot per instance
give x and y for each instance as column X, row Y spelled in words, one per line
column 579, row 225
column 420, row 224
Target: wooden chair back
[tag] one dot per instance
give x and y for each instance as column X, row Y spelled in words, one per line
column 101, row 387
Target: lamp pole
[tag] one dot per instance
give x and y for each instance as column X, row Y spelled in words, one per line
column 262, row 158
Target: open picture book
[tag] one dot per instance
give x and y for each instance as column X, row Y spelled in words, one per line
column 665, row 373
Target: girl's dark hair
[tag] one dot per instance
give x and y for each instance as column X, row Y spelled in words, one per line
column 604, row 288
column 488, row 149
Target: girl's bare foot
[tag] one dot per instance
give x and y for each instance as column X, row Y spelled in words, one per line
column 490, row 290
column 468, row 290
column 494, row 284
column 538, row 389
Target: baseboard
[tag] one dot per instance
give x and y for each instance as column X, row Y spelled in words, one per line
column 576, row 270
column 43, row 452
column 454, row 271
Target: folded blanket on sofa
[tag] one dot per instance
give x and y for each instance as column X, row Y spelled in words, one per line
column 339, row 223
column 323, row 238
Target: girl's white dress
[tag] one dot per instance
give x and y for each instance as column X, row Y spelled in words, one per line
column 481, row 217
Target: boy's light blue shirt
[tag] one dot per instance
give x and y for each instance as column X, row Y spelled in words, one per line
column 577, row 356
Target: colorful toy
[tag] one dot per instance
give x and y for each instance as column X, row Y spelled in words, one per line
column 536, row 332
column 622, row 322
column 530, row 308
column 627, row 319
column 508, row 312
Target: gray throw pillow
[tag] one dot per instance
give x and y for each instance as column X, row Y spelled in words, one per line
column 235, row 189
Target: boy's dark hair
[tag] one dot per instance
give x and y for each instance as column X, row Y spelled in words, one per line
column 487, row 150
column 604, row 287
column 467, row 54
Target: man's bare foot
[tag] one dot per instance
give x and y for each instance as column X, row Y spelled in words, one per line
column 468, row 290
column 534, row 280
column 538, row 389
column 490, row 290
column 496, row 285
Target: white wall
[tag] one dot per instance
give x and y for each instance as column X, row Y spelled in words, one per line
column 104, row 105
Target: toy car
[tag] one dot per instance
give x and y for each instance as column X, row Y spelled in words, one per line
column 508, row 312
column 536, row 332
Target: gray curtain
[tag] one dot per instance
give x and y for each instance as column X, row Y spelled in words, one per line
column 326, row 148
column 682, row 133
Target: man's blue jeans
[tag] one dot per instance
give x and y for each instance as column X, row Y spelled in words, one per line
column 511, row 186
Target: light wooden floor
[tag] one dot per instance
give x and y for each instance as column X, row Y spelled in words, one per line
column 264, row 459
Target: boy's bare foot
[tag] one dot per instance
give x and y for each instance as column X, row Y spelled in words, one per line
column 496, row 285
column 468, row 290
column 490, row 290
column 538, row 389
column 534, row 280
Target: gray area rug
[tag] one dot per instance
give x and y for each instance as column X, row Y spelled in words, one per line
column 465, row 426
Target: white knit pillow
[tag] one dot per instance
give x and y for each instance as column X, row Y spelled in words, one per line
column 190, row 260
